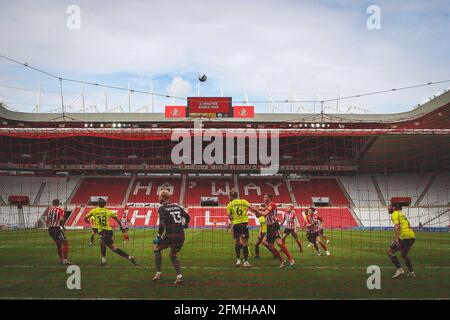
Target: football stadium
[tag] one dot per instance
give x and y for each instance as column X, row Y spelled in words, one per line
column 211, row 196
column 348, row 167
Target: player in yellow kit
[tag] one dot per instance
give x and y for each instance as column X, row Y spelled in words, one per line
column 101, row 215
column 237, row 213
column 404, row 240
column 94, row 230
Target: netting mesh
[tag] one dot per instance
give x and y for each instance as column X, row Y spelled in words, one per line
column 350, row 179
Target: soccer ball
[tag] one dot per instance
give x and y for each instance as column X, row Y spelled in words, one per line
column 202, row 77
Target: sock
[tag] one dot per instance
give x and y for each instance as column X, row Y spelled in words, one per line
column 256, row 250
column 121, row 253
column 176, row 264
column 316, row 246
column 59, row 250
column 323, row 246
column 65, row 250
column 395, row 261
column 276, row 253
column 103, row 249
column 408, row 263
column 286, row 251
column 158, row 260
column 237, row 248
column 245, row 250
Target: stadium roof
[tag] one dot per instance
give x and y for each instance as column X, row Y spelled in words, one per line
column 433, row 105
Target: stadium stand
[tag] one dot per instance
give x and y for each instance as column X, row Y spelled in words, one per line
column 20, row 186
column 146, row 190
column 58, row 188
column 439, row 192
column 403, row 185
column 253, row 188
column 428, row 216
column 417, row 216
column 143, row 197
column 27, row 217
column 112, row 189
column 361, row 190
column 196, row 188
column 304, row 191
column 373, row 216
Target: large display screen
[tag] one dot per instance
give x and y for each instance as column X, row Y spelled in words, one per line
column 209, row 106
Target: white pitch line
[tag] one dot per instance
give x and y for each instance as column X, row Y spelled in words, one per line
column 216, row 268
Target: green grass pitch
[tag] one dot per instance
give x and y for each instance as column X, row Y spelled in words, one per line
column 29, row 268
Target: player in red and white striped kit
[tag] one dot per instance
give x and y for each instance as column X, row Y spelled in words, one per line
column 125, row 224
column 313, row 227
column 321, row 226
column 273, row 227
column 55, row 224
column 290, row 218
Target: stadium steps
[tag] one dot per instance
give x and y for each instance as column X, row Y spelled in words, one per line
column 236, row 183
column 436, row 217
column 425, row 191
column 41, row 222
column 350, row 201
column 291, row 193
column 74, row 191
column 21, row 217
column 127, row 194
column 379, row 193
column 183, row 188
column 37, row 199
column 355, row 217
column 76, row 218
column 364, row 148
column 344, row 191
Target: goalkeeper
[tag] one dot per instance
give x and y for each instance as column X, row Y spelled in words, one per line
column 172, row 222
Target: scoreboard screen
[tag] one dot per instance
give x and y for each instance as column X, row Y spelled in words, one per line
column 209, row 107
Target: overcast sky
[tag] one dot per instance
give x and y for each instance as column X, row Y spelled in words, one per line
column 300, row 50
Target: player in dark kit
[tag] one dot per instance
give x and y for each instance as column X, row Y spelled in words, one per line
column 172, row 222
column 55, row 224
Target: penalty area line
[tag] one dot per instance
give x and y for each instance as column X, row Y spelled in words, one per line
column 216, row 268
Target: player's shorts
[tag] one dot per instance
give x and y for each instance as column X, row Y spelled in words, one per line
column 312, row 236
column 107, row 237
column 289, row 231
column 95, row 230
column 174, row 242
column 405, row 245
column 273, row 232
column 240, row 230
column 56, row 233
column 261, row 235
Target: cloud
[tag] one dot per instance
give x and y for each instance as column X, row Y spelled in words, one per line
column 248, row 46
column 179, row 87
